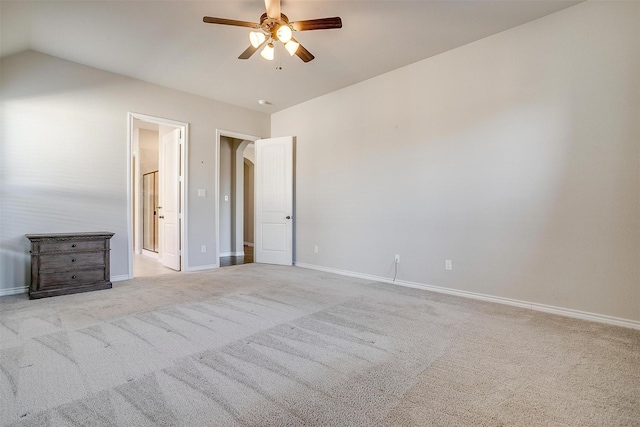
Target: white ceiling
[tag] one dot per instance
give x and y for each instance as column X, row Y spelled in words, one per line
column 166, row 42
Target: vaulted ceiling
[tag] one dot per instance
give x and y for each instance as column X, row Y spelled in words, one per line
column 166, row 42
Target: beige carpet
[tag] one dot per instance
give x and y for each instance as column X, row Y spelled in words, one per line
column 258, row 345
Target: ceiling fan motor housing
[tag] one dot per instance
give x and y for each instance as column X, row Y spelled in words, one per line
column 270, row 26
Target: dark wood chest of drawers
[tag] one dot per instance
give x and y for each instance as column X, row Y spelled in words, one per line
column 69, row 263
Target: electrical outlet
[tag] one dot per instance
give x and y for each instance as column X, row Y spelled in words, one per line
column 448, row 265
column 397, row 259
column 315, row 249
column 203, row 248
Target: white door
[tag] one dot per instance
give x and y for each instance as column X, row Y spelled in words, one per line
column 274, row 201
column 169, row 200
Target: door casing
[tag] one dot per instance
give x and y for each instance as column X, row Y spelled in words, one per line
column 184, row 127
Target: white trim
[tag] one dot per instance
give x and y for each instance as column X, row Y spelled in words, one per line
column 203, row 267
column 184, row 146
column 150, row 254
column 230, row 134
column 130, row 178
column 14, row 291
column 120, row 278
column 568, row 312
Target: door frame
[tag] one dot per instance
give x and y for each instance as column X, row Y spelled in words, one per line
column 230, row 134
column 131, row 176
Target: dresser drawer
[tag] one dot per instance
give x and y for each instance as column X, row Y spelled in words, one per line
column 70, row 278
column 71, row 260
column 71, row 245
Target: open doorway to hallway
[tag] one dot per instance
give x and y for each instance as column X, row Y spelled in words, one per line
column 273, row 188
column 236, row 200
column 157, row 204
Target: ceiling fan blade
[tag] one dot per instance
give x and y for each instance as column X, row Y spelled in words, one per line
column 210, row 20
column 273, row 8
column 317, row 24
column 303, row 53
column 250, row 51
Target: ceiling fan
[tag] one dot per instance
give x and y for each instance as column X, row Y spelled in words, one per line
column 275, row 26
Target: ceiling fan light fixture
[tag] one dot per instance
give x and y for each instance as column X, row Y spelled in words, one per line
column 284, row 33
column 268, row 52
column 256, row 38
column 292, row 47
column 274, row 26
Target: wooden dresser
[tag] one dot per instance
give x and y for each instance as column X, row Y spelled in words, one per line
column 68, row 263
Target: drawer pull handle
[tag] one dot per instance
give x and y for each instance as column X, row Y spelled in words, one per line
column 73, row 260
column 73, row 277
column 73, row 246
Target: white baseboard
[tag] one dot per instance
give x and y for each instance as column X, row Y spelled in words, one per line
column 120, row 278
column 14, row 291
column 248, row 244
column 201, row 267
column 232, row 253
column 150, row 254
column 594, row 317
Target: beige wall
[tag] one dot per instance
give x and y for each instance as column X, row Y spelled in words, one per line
column 148, row 150
column 63, row 158
column 517, row 157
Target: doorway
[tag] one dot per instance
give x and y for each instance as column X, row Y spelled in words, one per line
column 245, row 214
column 273, row 196
column 234, row 201
column 157, row 176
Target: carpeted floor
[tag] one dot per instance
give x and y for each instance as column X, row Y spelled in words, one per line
column 258, row 345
